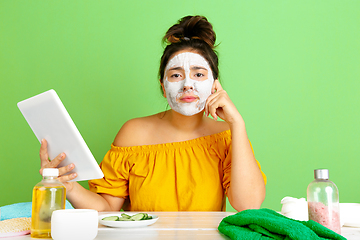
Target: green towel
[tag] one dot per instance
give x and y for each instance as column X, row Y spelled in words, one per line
column 268, row 224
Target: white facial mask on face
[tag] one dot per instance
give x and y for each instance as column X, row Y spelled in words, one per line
column 201, row 89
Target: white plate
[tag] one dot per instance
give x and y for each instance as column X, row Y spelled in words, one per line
column 127, row 224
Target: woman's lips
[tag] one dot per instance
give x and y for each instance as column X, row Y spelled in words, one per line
column 188, row 99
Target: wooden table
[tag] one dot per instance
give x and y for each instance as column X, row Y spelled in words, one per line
column 173, row 225
column 179, row 225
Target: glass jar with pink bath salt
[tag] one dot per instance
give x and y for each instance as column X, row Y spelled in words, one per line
column 323, row 201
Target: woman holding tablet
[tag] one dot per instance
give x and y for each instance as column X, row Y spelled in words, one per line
column 180, row 159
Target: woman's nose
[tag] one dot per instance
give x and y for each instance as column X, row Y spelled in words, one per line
column 187, row 88
column 188, row 84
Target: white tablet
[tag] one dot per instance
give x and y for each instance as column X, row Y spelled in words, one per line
column 49, row 120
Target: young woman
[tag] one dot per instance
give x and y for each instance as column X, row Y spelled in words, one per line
column 180, row 159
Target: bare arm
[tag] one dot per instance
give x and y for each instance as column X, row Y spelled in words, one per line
column 78, row 196
column 83, row 198
column 247, row 187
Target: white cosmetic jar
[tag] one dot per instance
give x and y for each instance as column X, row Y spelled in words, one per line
column 74, row 224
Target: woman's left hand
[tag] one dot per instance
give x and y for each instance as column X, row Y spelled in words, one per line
column 220, row 105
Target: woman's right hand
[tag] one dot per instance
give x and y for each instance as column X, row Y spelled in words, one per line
column 47, row 163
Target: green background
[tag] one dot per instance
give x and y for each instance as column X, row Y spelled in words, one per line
column 292, row 68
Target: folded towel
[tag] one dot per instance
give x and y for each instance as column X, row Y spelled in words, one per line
column 19, row 210
column 267, row 224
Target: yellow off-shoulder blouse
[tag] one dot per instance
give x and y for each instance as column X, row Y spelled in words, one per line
column 192, row 175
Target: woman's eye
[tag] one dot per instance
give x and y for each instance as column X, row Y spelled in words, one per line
column 199, row 75
column 176, row 75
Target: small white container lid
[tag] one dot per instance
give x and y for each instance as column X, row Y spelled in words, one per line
column 50, row 172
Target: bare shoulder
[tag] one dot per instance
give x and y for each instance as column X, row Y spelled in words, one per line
column 222, row 126
column 135, row 131
column 214, row 126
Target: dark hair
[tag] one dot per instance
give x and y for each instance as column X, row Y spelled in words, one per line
column 194, row 33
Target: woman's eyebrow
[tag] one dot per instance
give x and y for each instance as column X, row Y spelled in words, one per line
column 198, row 67
column 176, row 68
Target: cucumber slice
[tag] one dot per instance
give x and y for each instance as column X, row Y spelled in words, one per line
column 124, row 215
column 124, row 219
column 138, row 216
column 111, row 218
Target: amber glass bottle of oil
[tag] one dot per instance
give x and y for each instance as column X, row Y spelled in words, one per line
column 48, row 195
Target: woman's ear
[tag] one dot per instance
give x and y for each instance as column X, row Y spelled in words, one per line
column 213, row 88
column 163, row 89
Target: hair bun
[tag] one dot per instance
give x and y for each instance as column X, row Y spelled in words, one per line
column 191, row 27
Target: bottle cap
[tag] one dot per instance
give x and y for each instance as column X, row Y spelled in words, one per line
column 50, row 172
column 321, row 174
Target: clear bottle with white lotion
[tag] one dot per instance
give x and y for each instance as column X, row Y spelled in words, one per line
column 323, row 201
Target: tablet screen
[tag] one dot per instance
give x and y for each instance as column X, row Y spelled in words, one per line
column 49, row 120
